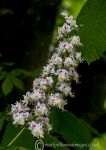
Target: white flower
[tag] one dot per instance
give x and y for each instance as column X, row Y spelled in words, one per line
column 45, row 122
column 78, row 57
column 31, row 97
column 48, row 81
column 76, row 40
column 69, row 61
column 36, row 82
column 76, row 76
column 65, row 88
column 64, row 13
column 49, row 127
column 36, row 129
column 60, row 34
column 19, row 106
column 65, row 28
column 27, row 97
column 69, row 19
column 64, row 46
column 55, row 60
column 43, row 84
column 42, row 120
column 38, row 94
column 20, row 118
column 49, row 69
column 41, row 109
column 56, row 100
column 63, row 75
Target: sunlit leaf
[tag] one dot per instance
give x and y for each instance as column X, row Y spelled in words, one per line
column 98, row 143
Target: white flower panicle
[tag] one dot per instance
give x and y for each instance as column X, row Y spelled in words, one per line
column 65, row 88
column 36, row 129
column 55, row 60
column 41, row 109
column 53, row 85
column 56, row 100
column 19, row 118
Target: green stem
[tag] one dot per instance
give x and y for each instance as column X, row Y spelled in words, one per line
column 14, row 139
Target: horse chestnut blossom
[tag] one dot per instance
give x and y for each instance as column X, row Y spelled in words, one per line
column 53, row 85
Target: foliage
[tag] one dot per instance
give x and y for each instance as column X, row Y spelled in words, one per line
column 70, row 128
column 99, row 143
column 11, row 132
column 73, row 6
column 11, row 79
column 93, row 35
column 65, row 124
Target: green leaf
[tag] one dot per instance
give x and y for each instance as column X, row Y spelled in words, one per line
column 18, row 72
column 1, row 120
column 17, row 82
column 25, row 140
column 13, row 148
column 98, row 143
column 7, row 85
column 93, row 33
column 3, row 116
column 73, row 7
column 8, row 64
column 92, row 130
column 26, row 72
column 71, row 129
column 3, row 74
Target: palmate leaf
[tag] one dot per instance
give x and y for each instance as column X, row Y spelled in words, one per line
column 18, row 72
column 72, row 130
column 7, row 85
column 92, row 130
column 93, row 33
column 2, row 75
column 17, row 82
column 25, row 140
column 9, row 82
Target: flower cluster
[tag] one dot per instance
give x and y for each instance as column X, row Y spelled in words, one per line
column 53, row 85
